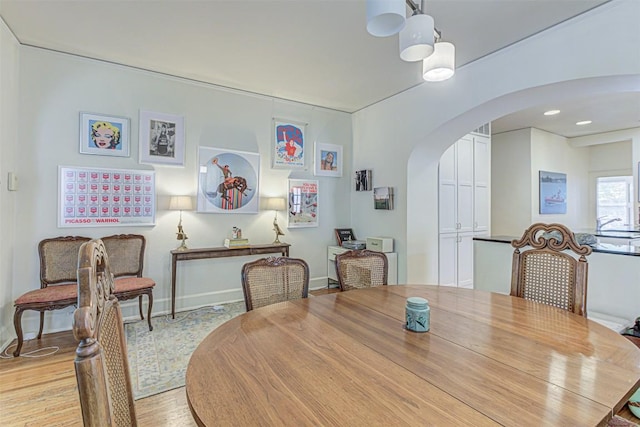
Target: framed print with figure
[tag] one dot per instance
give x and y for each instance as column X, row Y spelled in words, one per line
column 227, row 181
column 161, row 139
column 303, row 203
column 104, row 135
column 328, row 161
column 288, row 149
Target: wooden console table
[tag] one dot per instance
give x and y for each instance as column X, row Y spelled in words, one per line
column 219, row 252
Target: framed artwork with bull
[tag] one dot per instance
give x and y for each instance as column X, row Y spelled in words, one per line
column 227, row 181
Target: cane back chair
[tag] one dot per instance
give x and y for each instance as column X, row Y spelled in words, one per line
column 126, row 257
column 546, row 273
column 58, row 289
column 361, row 269
column 102, row 368
column 274, row 279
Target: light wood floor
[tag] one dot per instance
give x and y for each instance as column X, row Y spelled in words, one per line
column 42, row 391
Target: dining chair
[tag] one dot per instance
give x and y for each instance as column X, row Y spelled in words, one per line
column 102, row 368
column 58, row 289
column 274, row 279
column 361, row 269
column 547, row 272
column 126, row 257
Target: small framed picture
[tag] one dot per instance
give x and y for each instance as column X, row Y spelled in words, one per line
column 344, row 234
column 383, row 198
column 288, row 148
column 328, row 161
column 104, row 135
column 161, row 139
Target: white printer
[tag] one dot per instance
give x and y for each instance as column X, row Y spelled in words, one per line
column 380, row 244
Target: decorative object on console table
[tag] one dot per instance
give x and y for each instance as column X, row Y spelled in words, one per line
column 161, row 139
column 303, row 203
column 288, row 144
column 343, row 234
column 227, row 181
column 180, row 203
column 383, row 198
column 275, row 204
column 104, row 135
column 236, row 243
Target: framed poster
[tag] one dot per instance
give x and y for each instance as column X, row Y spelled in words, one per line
column 227, row 181
column 104, row 135
column 553, row 192
column 328, row 161
column 161, row 139
column 288, row 147
column 303, row 203
column 383, row 198
column 95, row 197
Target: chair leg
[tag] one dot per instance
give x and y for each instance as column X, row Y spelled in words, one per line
column 17, row 323
column 41, row 324
column 150, row 294
column 140, row 307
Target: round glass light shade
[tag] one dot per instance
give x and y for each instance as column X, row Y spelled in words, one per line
column 385, row 17
column 416, row 38
column 441, row 65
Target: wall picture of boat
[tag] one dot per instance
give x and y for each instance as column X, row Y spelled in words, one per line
column 553, row 192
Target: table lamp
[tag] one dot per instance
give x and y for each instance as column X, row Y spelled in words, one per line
column 276, row 204
column 180, row 203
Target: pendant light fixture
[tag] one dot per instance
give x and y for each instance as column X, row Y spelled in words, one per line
column 417, row 36
column 441, row 64
column 419, row 39
column 385, row 17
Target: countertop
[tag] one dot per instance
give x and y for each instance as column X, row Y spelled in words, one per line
column 606, row 248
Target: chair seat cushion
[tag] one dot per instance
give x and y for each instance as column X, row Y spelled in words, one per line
column 128, row 284
column 52, row 294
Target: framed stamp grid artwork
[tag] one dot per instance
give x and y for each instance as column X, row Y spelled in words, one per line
column 161, row 139
column 104, row 135
column 93, row 197
column 328, row 160
column 289, row 144
column 303, row 203
column 227, row 181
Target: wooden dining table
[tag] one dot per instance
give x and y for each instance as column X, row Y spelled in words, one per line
column 346, row 359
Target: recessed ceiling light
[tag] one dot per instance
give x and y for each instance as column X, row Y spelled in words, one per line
column 584, row 122
column 551, row 112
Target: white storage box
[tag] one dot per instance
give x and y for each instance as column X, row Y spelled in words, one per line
column 380, row 244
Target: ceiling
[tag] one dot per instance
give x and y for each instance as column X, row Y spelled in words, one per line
column 311, row 51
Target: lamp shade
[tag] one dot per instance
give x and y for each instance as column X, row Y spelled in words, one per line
column 385, row 17
column 416, row 38
column 275, row 204
column 441, row 64
column 180, row 203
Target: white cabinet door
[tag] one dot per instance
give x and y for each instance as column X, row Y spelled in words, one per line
column 448, row 254
column 465, row 260
column 447, row 221
column 464, row 175
column 481, row 183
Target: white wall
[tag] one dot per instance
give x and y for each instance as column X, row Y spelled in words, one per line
column 9, row 56
column 55, row 87
column 552, row 153
column 404, row 136
column 510, row 182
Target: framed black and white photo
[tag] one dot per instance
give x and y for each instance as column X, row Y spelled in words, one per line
column 104, row 135
column 161, row 138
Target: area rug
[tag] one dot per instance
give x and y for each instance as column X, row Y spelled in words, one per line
column 158, row 359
